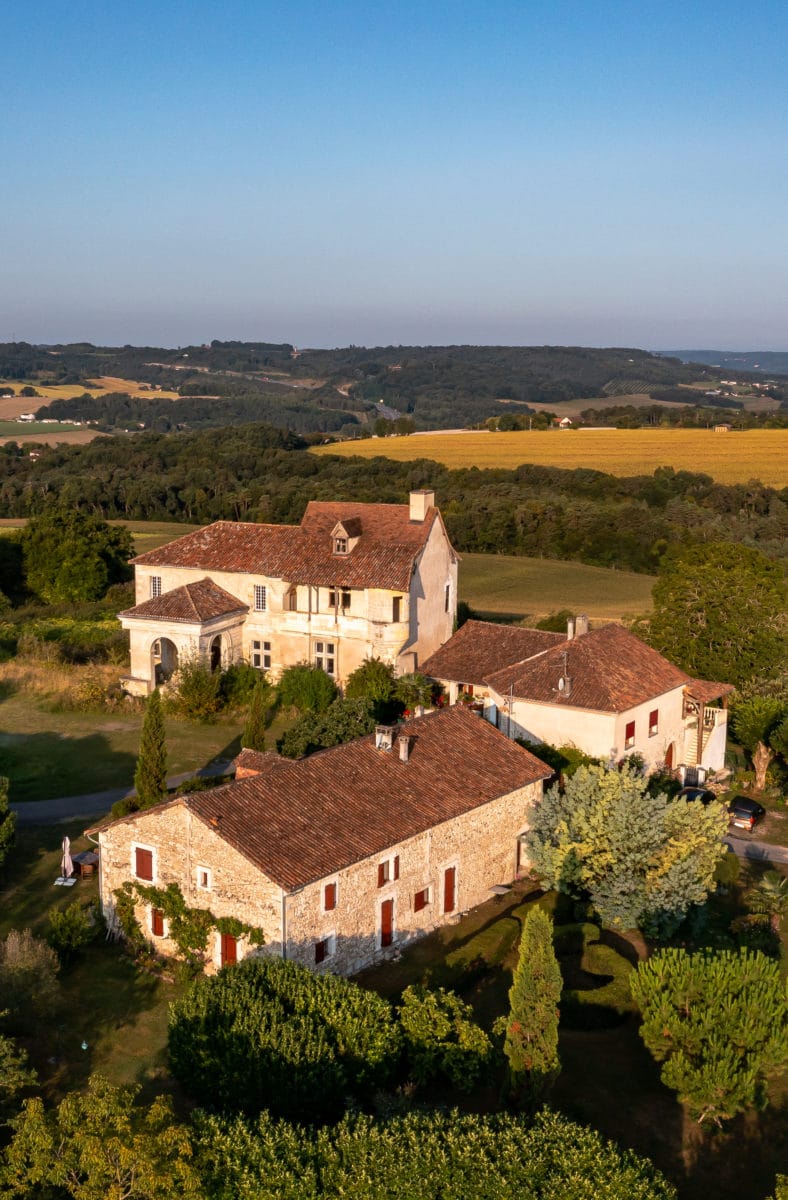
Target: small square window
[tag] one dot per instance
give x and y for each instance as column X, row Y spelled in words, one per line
column 260, row 597
column 388, row 870
column 204, row 880
column 653, row 722
column 339, row 599
column 155, row 586
column 421, row 899
column 329, row 897
column 340, row 545
column 324, row 949
column 629, row 738
column 396, row 609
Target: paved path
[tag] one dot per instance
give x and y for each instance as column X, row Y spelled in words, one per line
column 70, row 808
column 757, row 851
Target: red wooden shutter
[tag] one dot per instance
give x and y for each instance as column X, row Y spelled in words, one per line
column 653, row 722
column 387, row 923
column 396, row 867
column 629, row 737
column 381, row 874
column 320, row 951
column 330, row 897
column 449, row 882
column 157, row 922
column 229, row 950
column 143, row 863
column 420, row 900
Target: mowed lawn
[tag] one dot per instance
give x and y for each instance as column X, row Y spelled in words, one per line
column 728, row 457
column 530, row 588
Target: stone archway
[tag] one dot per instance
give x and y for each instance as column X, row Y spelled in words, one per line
column 164, row 655
column 216, row 653
column 670, row 757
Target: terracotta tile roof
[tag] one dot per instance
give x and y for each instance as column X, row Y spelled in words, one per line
column 384, row 555
column 479, row 648
column 704, row 690
column 611, row 671
column 303, row 820
column 193, row 603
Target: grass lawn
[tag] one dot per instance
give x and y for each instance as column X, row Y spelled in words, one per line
column 106, row 1001
column 608, row 1079
column 530, row 588
column 18, row 429
column 49, row 754
column 729, row 458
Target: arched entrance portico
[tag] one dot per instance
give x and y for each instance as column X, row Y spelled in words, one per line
column 216, row 653
column 164, row 655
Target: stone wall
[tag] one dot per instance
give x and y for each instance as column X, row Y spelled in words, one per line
column 181, row 844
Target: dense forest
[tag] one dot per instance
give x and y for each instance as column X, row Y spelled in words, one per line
column 260, row 473
column 344, row 389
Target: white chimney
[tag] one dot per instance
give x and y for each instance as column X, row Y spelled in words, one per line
column 420, row 503
column 384, row 737
column 404, row 748
column 570, row 629
column 581, row 625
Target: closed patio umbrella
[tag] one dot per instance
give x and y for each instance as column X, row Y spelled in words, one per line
column 66, row 865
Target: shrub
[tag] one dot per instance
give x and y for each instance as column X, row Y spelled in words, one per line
column 341, row 722
column 374, row 680
column 727, row 871
column 253, row 736
column 237, row 684
column 28, row 980
column 271, row 1034
column 414, row 690
column 71, row 929
column 202, row 783
column 442, row 1040
column 196, row 693
column 306, row 688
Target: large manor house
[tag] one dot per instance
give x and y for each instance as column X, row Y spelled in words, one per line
column 343, row 856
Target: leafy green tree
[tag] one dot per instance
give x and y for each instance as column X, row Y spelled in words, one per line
column 268, row 1033
column 643, row 860
column 375, row 680
column 253, row 736
column 307, row 688
column 71, row 556
column 429, row 1155
column 719, row 611
column 718, row 1021
column 531, row 1045
column 150, row 777
column 442, row 1039
column 71, row 929
column 760, row 724
column 7, row 822
column 15, row 1074
column 98, row 1146
column 342, row 721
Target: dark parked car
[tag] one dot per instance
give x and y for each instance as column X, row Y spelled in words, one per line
column 745, row 813
column 696, row 793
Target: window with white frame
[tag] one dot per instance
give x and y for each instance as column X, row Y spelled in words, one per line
column 261, row 655
column 388, row 870
column 325, row 656
column 204, row 879
column 653, row 723
column 340, row 545
column 421, row 899
column 155, row 586
column 629, row 735
column 339, row 598
column 324, row 948
column 260, row 597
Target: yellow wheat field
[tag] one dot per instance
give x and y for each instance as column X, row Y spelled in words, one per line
column 728, row 457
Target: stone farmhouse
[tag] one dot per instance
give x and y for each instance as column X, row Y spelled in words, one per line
column 343, row 856
column 603, row 691
column 350, row 582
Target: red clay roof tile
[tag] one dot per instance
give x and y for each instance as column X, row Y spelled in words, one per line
column 479, row 648
column 192, row 604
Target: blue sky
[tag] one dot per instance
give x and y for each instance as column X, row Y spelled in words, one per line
column 601, row 172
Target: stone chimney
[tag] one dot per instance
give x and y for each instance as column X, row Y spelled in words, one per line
column 404, row 748
column 420, row 503
column 384, row 737
column 570, row 629
column 581, row 625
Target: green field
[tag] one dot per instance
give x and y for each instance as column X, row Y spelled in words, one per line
column 524, row 589
column 728, row 457
column 22, row 429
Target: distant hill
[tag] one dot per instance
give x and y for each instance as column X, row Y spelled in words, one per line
column 342, row 390
column 761, row 362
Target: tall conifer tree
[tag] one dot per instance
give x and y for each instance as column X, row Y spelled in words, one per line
column 150, row 777
column 531, row 1044
column 253, row 737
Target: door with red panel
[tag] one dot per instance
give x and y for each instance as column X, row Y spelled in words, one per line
column 229, row 950
column 449, row 889
column 386, row 923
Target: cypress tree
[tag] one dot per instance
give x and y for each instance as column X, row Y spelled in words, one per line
column 531, row 1044
column 7, row 822
column 150, row 777
column 253, row 737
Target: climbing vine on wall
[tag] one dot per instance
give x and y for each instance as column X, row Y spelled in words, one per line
column 189, row 928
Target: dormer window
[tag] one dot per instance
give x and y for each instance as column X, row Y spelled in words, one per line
column 340, row 545
column 345, row 535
